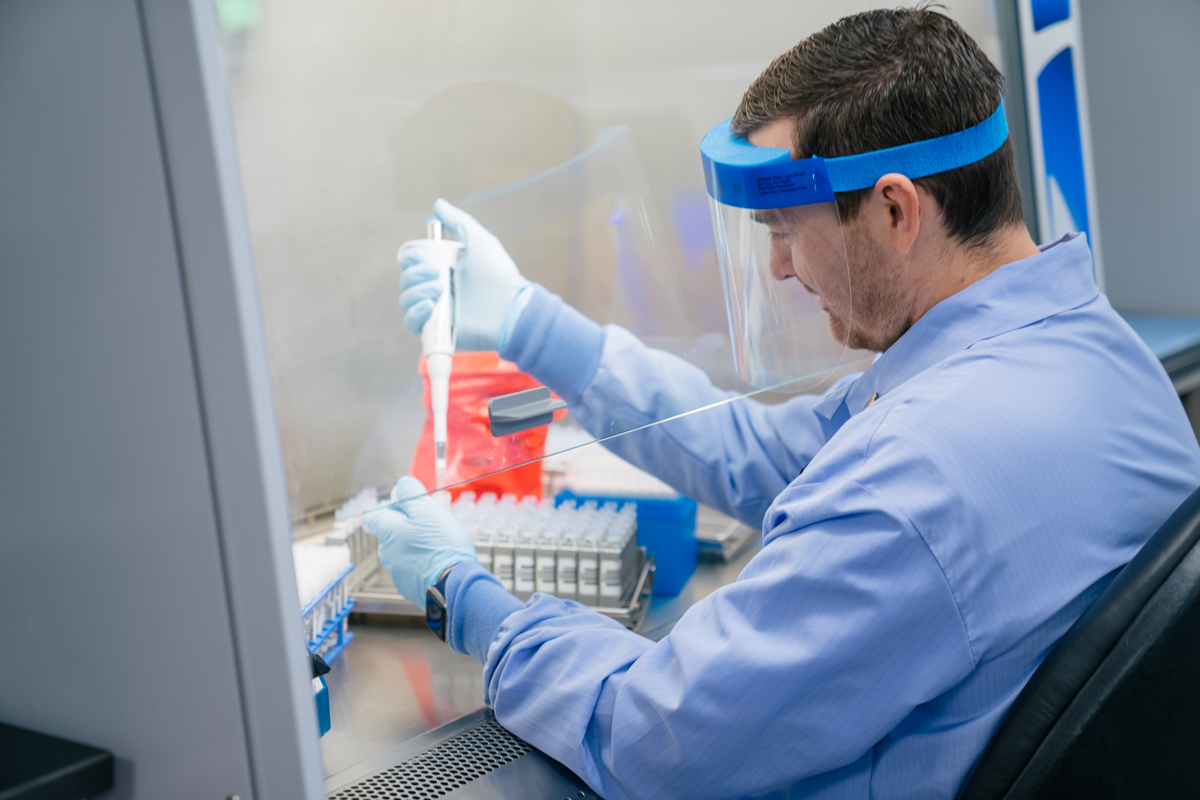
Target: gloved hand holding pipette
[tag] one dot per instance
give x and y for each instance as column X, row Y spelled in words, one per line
column 491, row 290
column 418, row 539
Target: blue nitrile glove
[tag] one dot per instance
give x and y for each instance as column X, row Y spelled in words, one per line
column 491, row 291
column 418, row 539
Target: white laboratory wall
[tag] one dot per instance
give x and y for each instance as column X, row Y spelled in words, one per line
column 352, row 117
column 1142, row 69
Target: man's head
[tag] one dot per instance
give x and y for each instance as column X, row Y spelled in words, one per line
column 871, row 81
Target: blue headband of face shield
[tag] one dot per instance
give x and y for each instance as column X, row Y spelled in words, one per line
column 739, row 174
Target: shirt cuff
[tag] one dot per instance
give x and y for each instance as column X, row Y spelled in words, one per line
column 477, row 606
column 556, row 344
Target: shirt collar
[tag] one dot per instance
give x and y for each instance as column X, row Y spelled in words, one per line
column 1058, row 278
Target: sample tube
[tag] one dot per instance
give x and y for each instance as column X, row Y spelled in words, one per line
column 464, row 506
column 525, row 563
column 502, row 554
column 547, row 567
column 627, row 520
column 588, row 556
column 610, row 568
column 567, row 566
column 482, row 533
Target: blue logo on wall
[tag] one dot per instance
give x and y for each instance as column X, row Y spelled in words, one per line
column 1062, row 145
column 1048, row 12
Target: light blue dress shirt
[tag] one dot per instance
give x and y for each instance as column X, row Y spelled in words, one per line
column 921, row 553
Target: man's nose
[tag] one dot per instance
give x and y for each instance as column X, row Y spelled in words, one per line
column 781, row 260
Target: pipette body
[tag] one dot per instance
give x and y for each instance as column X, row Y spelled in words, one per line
column 438, row 340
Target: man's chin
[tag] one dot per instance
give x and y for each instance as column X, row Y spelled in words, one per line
column 839, row 329
column 853, row 339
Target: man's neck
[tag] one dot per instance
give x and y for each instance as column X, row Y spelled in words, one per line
column 963, row 266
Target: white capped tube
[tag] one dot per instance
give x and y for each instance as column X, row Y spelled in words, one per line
column 547, row 573
column 588, row 570
column 525, row 563
column 567, row 566
column 502, row 555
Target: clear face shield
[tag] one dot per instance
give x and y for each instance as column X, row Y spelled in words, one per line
column 783, row 261
column 754, row 307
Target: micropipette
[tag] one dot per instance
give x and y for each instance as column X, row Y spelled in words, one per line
column 437, row 341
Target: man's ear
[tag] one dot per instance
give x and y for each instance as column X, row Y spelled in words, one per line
column 896, row 211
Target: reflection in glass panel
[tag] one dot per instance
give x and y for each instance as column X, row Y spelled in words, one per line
column 571, row 129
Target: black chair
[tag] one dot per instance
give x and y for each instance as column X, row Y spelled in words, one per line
column 1114, row 710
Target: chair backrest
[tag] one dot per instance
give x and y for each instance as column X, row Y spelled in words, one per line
column 1114, row 709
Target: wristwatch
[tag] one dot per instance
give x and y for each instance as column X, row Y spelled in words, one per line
column 435, row 607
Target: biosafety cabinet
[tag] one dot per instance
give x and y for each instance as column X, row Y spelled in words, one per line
column 202, row 358
column 200, row 208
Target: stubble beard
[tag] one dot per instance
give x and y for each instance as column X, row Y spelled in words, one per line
column 879, row 315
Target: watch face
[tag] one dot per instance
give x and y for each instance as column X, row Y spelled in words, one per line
column 435, row 612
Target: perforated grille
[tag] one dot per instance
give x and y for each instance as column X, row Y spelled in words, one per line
column 442, row 769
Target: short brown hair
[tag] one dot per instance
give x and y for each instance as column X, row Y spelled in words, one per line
column 890, row 77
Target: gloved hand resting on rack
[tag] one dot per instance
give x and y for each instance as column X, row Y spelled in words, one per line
column 491, row 291
column 418, row 539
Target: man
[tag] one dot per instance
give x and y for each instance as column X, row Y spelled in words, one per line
column 931, row 526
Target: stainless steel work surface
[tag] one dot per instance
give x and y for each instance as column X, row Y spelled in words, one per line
column 396, row 681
